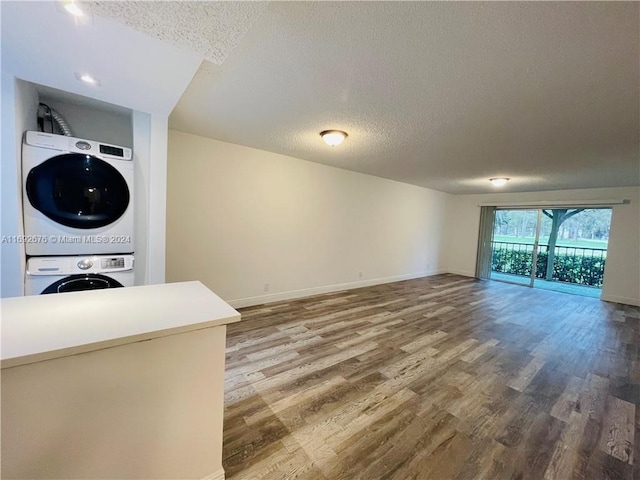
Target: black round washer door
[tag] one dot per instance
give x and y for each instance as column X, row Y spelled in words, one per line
column 77, row 283
column 79, row 191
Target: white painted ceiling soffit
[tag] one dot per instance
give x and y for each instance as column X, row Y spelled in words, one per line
column 43, row 44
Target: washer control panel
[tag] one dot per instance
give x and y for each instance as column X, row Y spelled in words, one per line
column 81, row 264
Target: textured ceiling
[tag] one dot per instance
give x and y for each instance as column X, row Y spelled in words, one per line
column 212, row 29
column 438, row 94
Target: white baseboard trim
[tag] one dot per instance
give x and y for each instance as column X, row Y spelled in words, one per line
column 464, row 273
column 308, row 292
column 219, row 475
column 625, row 300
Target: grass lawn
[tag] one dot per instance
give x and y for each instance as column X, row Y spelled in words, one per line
column 582, row 243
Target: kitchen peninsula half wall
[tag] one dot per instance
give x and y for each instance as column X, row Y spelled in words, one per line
column 115, row 383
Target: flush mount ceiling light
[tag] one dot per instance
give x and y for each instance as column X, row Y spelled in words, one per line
column 73, row 9
column 333, row 137
column 86, row 78
column 499, row 182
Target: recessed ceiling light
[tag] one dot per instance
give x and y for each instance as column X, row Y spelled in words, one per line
column 73, row 9
column 499, row 182
column 86, row 78
column 333, row 137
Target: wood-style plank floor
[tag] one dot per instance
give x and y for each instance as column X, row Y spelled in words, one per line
column 444, row 377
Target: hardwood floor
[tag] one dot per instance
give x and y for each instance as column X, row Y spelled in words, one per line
column 444, row 377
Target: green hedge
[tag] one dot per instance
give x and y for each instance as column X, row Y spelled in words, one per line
column 567, row 268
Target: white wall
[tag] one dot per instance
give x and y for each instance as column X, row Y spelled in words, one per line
column 19, row 106
column 142, row 165
column 150, row 157
column 157, row 197
column 239, row 218
column 94, row 123
column 622, row 270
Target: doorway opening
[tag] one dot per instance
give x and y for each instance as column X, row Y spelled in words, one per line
column 560, row 249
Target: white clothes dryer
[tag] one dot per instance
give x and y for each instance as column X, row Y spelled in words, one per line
column 77, row 196
column 75, row 273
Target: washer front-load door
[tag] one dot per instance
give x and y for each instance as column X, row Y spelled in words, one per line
column 77, row 283
column 79, row 191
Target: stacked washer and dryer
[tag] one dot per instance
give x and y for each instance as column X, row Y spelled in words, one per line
column 78, row 214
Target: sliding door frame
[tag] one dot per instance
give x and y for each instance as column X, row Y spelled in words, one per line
column 534, row 252
column 539, row 206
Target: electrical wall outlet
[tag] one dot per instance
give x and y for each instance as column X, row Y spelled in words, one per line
column 266, row 287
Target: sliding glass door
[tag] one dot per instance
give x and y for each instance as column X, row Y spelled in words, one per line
column 561, row 249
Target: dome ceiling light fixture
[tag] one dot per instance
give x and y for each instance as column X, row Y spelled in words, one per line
column 333, row 137
column 73, row 9
column 499, row 181
column 86, row 78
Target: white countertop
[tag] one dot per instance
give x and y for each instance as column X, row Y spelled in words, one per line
column 43, row 327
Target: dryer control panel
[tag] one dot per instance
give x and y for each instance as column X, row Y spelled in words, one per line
column 77, row 145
